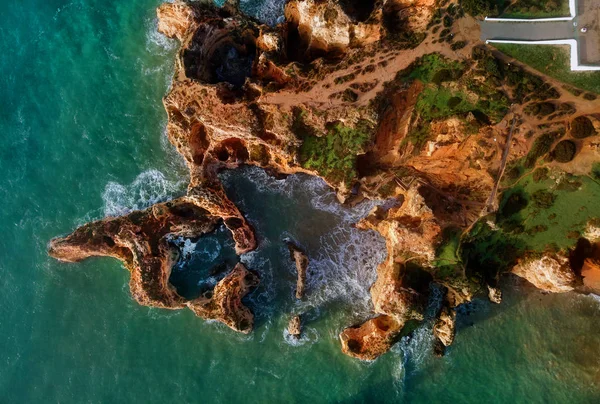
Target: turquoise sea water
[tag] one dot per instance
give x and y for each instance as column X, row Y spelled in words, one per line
column 81, row 137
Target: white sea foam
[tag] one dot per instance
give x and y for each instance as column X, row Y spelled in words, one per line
column 148, row 188
column 344, row 267
column 157, row 43
column 309, row 336
column 341, row 269
column 595, row 297
column 270, row 11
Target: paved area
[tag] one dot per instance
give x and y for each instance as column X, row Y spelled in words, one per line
column 589, row 43
column 588, row 16
column 527, row 31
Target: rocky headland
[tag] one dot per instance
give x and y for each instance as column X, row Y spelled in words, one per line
column 392, row 100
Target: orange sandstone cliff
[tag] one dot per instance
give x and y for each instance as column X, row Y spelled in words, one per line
column 335, row 78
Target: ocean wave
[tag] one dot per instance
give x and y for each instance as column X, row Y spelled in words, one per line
column 148, row 188
column 157, row 43
column 342, row 265
column 309, row 336
column 344, row 268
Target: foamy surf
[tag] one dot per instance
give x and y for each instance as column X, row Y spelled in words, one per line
column 148, row 188
column 309, row 336
column 157, row 43
column 342, row 264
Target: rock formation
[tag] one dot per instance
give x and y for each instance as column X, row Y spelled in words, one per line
column 334, row 91
column 371, row 339
column 494, row 294
column 143, row 241
column 224, row 303
column 444, row 330
column 550, row 273
column 301, row 260
column 295, row 327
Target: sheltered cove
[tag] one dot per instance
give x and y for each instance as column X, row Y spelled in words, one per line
column 338, row 91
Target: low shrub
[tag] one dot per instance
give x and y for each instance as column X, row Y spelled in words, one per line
column 582, row 127
column 458, row 45
column 541, row 174
column 543, row 199
column 480, row 7
column 541, row 146
column 564, row 151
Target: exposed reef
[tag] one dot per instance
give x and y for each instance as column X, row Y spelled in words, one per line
column 464, row 148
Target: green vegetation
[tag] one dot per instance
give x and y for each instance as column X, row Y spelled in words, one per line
column 596, row 171
column 489, row 252
column 447, row 252
column 540, row 148
column 434, row 68
column 564, row 151
column 560, row 208
column 438, row 101
column 334, row 155
column 543, row 199
column 458, row 45
column 534, row 216
column 481, row 8
column 540, row 109
column 537, row 9
column 582, row 127
column 526, row 86
column 541, row 174
column 553, row 61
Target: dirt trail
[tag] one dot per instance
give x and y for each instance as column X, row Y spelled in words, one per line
column 395, row 62
column 466, row 29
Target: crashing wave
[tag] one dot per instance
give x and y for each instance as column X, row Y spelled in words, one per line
column 149, row 188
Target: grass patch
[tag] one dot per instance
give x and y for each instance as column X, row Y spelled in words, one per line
column 434, row 68
column 537, row 9
column 553, row 61
column 334, row 155
column 552, row 211
column 447, row 252
column 533, row 217
column 437, row 103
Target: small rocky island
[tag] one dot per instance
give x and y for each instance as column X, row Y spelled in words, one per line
column 486, row 167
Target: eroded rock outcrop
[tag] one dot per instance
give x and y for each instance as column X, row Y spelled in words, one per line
column 329, row 92
column 550, row 273
column 320, row 28
column 144, row 242
column 372, row 338
column 295, row 326
column 219, row 117
column 224, row 303
column 301, row 261
column 410, row 232
column 444, row 330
